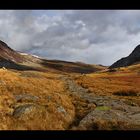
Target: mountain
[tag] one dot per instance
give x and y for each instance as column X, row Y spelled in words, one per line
column 133, row 58
column 6, row 53
column 12, row 59
column 52, row 95
column 9, row 58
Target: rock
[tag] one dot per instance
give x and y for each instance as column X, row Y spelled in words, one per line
column 29, row 111
column 61, row 110
column 4, row 68
column 39, row 117
column 49, row 98
column 110, row 119
column 107, row 113
column 26, row 97
column 30, row 117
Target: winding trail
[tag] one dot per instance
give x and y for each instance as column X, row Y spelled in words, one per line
column 108, row 110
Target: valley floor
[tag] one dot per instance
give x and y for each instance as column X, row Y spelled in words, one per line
column 106, row 100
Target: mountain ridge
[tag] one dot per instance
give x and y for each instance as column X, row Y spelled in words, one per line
column 12, row 59
column 9, row 54
column 132, row 58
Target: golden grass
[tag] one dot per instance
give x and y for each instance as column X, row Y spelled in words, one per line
column 56, row 109
column 106, row 83
column 50, row 91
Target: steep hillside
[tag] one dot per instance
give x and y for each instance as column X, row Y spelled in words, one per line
column 133, row 58
column 6, row 53
column 12, row 59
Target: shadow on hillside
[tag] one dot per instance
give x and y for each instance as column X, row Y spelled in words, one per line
column 70, row 67
column 11, row 65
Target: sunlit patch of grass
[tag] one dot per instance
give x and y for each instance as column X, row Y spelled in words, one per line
column 102, row 108
column 134, row 68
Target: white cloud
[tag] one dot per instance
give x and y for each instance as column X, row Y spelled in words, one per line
column 91, row 36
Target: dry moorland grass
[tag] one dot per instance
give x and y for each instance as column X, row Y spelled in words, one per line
column 53, row 108
column 123, row 81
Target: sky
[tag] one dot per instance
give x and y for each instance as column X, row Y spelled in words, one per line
column 90, row 36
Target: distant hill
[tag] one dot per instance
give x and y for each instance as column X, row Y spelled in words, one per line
column 133, row 58
column 12, row 59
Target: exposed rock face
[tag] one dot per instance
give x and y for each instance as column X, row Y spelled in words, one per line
column 26, row 97
column 24, row 109
column 133, row 58
column 109, row 120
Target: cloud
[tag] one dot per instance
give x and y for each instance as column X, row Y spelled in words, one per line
column 91, row 36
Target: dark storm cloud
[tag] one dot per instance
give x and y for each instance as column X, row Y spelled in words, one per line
column 91, row 36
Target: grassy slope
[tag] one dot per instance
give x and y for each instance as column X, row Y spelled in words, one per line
column 60, row 66
column 47, row 87
column 54, row 99
column 107, row 83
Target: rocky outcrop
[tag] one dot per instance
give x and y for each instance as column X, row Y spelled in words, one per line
column 106, row 113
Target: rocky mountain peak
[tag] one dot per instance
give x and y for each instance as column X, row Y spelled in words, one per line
column 136, row 51
column 133, row 58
